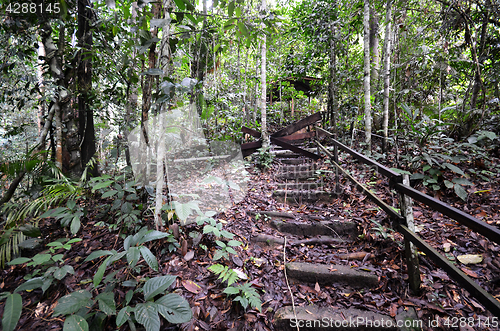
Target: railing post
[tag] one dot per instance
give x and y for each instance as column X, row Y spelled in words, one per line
column 406, row 206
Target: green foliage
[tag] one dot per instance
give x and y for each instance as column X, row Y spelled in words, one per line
column 225, row 273
column 226, row 249
column 442, row 159
column 133, row 249
column 264, row 158
column 12, row 311
column 246, row 295
column 126, row 207
column 78, row 306
column 44, row 262
column 382, row 231
column 68, row 216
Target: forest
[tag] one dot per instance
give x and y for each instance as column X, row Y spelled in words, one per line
column 163, row 164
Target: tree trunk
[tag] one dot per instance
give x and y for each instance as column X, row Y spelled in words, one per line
column 333, row 72
column 146, row 103
column 374, row 42
column 263, row 112
column 366, row 81
column 161, row 152
column 477, row 55
column 86, row 129
column 41, row 103
column 387, row 74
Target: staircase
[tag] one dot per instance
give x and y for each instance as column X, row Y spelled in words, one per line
column 299, row 183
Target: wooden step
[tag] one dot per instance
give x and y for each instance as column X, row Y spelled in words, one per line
column 330, row 274
column 296, row 196
column 313, row 318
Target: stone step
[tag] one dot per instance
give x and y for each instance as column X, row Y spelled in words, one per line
column 298, row 186
column 325, row 274
column 298, row 168
column 331, row 228
column 279, row 151
column 287, row 155
column 298, row 174
column 296, row 196
column 292, row 161
column 313, row 318
column 270, row 240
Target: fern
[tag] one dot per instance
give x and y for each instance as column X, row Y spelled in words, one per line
column 18, row 214
column 225, row 273
column 247, row 295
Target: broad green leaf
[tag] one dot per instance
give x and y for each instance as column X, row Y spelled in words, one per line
column 109, row 194
column 31, row 284
column 107, row 303
column 157, row 285
column 100, row 271
column 75, row 323
column 454, row 168
column 75, row 225
column 71, row 204
column 60, row 273
column 180, row 4
column 19, row 260
column 123, row 316
column 230, row 9
column 12, row 311
column 459, row 190
column 133, row 255
column 234, row 243
column 152, row 235
column 417, row 176
column 126, row 208
column 147, row 315
column 183, row 210
column 243, row 29
column 30, row 230
column 174, row 308
column 448, row 184
column 149, row 258
column 73, row 302
column 462, row 181
column 98, row 253
column 102, row 185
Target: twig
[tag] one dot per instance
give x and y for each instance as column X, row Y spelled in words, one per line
column 287, row 284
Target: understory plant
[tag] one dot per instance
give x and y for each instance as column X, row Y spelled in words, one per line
column 226, row 244
column 49, row 267
column 443, row 156
column 79, row 307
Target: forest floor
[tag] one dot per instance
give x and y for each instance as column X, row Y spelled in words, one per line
column 441, row 298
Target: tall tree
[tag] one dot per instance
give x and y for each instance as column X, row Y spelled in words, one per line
column 386, row 73
column 366, row 70
column 86, row 129
column 374, row 43
column 265, row 138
